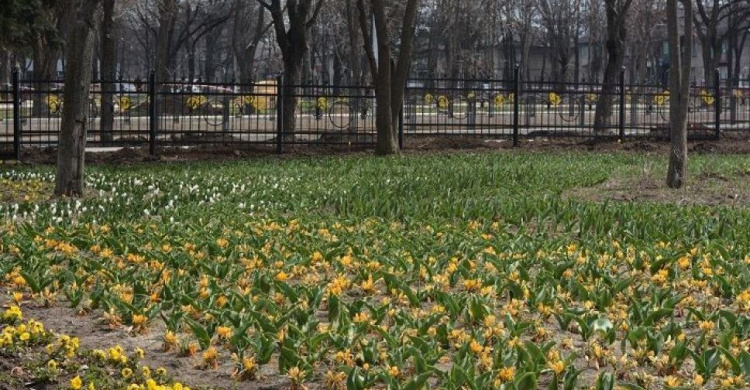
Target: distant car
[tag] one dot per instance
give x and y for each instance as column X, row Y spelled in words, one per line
column 126, row 87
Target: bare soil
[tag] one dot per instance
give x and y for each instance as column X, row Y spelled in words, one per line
column 730, row 143
column 646, row 184
column 93, row 334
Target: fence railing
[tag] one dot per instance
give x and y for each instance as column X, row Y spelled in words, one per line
column 180, row 113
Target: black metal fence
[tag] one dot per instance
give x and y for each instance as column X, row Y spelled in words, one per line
column 180, row 113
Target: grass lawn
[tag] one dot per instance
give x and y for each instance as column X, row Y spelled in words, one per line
column 500, row 270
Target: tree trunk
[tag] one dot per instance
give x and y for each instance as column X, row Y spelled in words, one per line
column 95, row 63
column 711, row 50
column 432, row 54
column 4, row 67
column 191, row 49
column 44, row 65
column 387, row 139
column 246, row 66
column 616, row 35
column 308, row 76
column 72, row 144
column 637, row 77
column 292, row 79
column 167, row 16
column 577, row 54
column 736, row 48
column 338, row 74
column 390, row 78
column 244, row 51
column 293, row 44
column 525, row 43
column 355, row 62
column 679, row 85
column 212, row 56
column 108, row 70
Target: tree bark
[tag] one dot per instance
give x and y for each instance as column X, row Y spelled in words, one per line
column 4, row 67
column 707, row 21
column 167, row 16
column 245, row 49
column 355, row 61
column 390, row 77
column 191, row 49
column 292, row 80
column 679, row 85
column 577, row 53
column 210, row 63
column 44, row 67
column 69, row 180
column 292, row 41
column 108, row 70
column 616, row 34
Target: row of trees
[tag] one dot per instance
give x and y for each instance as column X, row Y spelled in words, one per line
column 291, row 21
column 217, row 40
column 456, row 38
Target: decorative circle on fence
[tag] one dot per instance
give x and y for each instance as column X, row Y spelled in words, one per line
column 662, row 98
column 194, row 102
column 554, row 98
column 53, row 102
column 499, row 100
column 124, row 103
column 442, row 102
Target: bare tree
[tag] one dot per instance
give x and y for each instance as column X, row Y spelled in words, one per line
column 249, row 26
column 389, row 77
column 355, row 52
column 707, row 20
column 617, row 12
column 291, row 35
column 679, row 84
column 559, row 20
column 196, row 21
column 522, row 15
column 167, row 17
column 108, row 69
column 645, row 26
column 738, row 29
column 79, row 57
column 596, row 32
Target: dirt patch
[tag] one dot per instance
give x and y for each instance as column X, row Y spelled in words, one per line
column 647, row 185
column 95, row 335
column 343, row 144
column 15, row 191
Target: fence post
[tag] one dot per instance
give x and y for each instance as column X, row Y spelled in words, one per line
column 622, row 105
column 582, row 104
column 280, row 114
column 401, row 128
column 225, row 113
column 717, row 104
column 17, row 131
column 516, row 99
column 153, row 113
